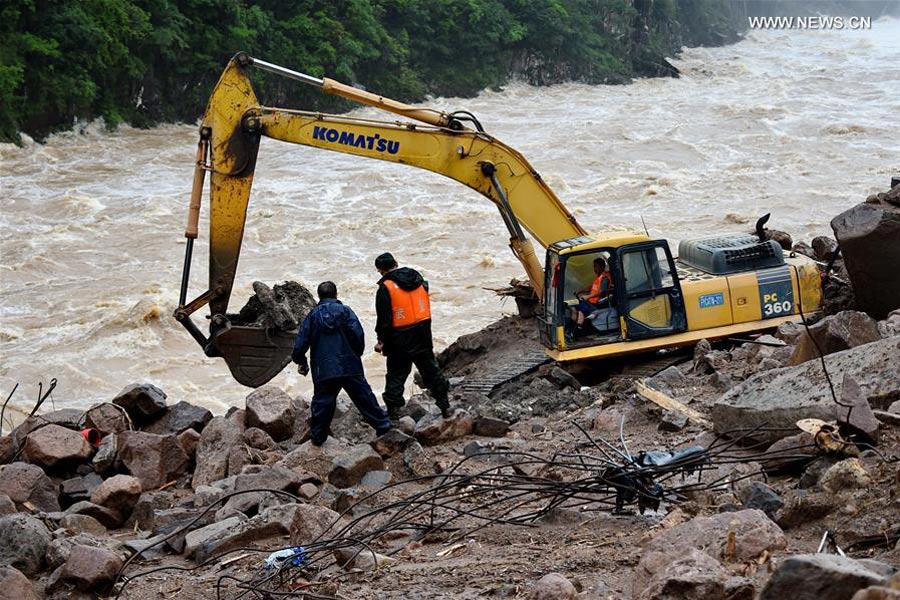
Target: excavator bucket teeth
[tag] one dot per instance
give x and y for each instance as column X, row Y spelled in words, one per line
column 254, row 354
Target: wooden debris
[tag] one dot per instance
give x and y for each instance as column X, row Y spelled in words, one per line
column 667, row 403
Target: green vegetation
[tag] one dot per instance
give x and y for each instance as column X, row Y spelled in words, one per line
column 151, row 61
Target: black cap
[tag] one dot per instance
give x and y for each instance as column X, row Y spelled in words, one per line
column 385, row 261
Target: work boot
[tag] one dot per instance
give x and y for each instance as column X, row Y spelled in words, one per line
column 393, row 413
column 445, row 411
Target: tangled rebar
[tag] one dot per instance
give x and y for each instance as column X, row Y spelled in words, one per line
column 516, row 488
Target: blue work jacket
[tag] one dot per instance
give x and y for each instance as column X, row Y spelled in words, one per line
column 333, row 335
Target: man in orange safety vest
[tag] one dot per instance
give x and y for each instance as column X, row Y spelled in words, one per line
column 403, row 328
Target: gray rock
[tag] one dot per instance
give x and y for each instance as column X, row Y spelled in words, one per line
column 271, row 409
column 349, row 468
column 849, row 474
column 7, row 506
column 28, row 483
column 107, row 418
column 553, row 586
column 178, row 418
column 668, row 380
column 860, row 417
column 119, row 493
column 824, row 248
column 107, row 517
column 23, row 543
column 55, row 447
column 74, row 490
column 205, row 495
column 868, row 235
column 490, row 427
column 154, row 459
column 216, row 441
column 259, row 439
column 194, row 539
column 83, row 524
column 819, row 577
column 189, row 440
column 431, row 431
column 142, row 402
column 759, row 495
column 672, row 421
column 61, row 548
column 563, row 378
column 308, row 491
column 835, row 333
column 15, row 586
column 790, row 454
column 754, row 533
column 391, row 443
column 271, row 522
column 407, row 425
column 691, row 575
column 91, row 569
column 106, row 454
column 375, row 480
column 781, row 397
column 310, row 522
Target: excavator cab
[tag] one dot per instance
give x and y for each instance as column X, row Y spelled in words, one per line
column 644, row 300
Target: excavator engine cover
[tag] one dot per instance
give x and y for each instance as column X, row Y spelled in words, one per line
column 730, row 254
column 253, row 354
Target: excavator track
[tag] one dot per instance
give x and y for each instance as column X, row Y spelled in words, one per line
column 524, row 364
column 654, row 365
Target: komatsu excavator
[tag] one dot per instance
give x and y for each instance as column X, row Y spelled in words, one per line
column 718, row 287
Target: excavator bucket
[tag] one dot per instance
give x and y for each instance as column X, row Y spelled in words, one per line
column 254, row 354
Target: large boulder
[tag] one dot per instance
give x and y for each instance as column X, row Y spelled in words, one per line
column 179, row 418
column 142, row 402
column 271, row 409
column 28, row 483
column 310, row 522
column 154, row 459
column 55, row 447
column 778, row 398
column 753, row 534
column 218, row 438
column 847, row 329
column 23, row 543
column 819, row 577
column 349, row 467
column 868, row 235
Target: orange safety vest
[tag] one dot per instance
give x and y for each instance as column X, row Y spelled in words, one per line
column 597, row 286
column 408, row 307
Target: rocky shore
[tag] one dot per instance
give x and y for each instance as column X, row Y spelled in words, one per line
column 696, row 482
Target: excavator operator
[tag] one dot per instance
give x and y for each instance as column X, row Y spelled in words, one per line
column 593, row 296
column 403, row 328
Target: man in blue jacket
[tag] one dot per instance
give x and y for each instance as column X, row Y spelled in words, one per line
column 333, row 335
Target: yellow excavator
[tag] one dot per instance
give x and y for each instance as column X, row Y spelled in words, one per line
column 718, row 286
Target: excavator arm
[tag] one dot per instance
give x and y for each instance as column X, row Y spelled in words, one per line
column 230, row 134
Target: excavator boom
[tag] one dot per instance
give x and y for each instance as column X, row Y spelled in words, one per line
column 231, row 130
